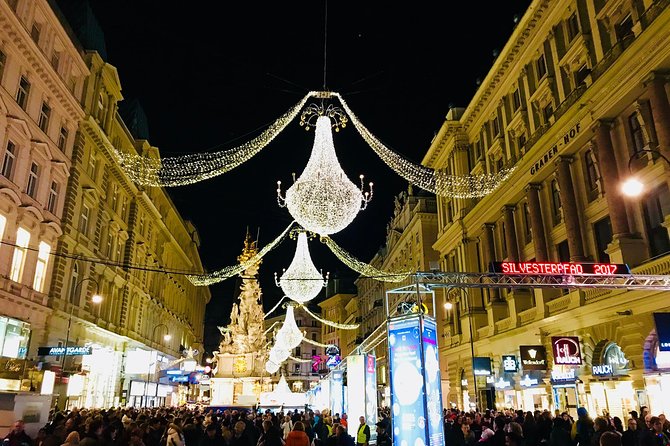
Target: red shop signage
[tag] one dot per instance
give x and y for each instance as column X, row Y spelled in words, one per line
column 566, row 350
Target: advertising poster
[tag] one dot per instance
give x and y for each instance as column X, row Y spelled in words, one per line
column 371, row 396
column 355, row 388
column 433, row 383
column 336, row 392
column 407, row 386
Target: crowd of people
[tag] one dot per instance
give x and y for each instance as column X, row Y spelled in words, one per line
column 543, row 428
column 207, row 427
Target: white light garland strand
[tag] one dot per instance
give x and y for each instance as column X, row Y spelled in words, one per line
column 301, row 282
column 293, row 358
column 317, row 343
column 323, row 199
column 363, row 268
column 230, row 271
column 330, row 323
column 195, row 167
column 438, row 182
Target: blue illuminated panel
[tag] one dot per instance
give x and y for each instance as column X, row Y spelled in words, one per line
column 433, row 383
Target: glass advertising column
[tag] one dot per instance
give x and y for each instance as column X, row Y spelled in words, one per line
column 416, row 399
column 336, row 392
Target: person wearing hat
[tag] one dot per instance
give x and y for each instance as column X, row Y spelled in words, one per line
column 582, row 429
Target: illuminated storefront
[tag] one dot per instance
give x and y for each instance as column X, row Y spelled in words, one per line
column 656, row 358
column 504, row 384
column 533, row 395
column 96, row 385
column 611, row 387
column 567, row 389
column 14, row 337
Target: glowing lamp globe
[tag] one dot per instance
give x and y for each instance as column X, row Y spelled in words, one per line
column 302, row 282
column 323, row 200
column 632, row 187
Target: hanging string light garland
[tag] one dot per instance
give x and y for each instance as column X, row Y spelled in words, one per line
column 293, row 358
column 330, row 323
column 363, row 268
column 301, row 282
column 230, row 271
column 192, row 168
column 436, row 181
column 317, row 343
column 323, row 199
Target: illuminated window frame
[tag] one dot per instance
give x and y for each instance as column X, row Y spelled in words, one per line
column 20, row 252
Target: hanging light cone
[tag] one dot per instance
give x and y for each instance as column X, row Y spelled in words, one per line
column 323, row 200
column 278, row 354
column 271, row 367
column 289, row 335
column 302, row 282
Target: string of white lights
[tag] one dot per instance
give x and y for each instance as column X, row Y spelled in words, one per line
column 438, row 182
column 274, row 308
column 230, row 271
column 195, row 167
column 316, row 343
column 330, row 323
column 299, row 359
column 363, row 268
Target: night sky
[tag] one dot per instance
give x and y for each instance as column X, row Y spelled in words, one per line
column 212, row 75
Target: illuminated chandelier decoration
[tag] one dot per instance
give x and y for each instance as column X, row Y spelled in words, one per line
column 301, row 282
column 230, row 271
column 271, row 367
column 195, row 167
column 438, row 182
column 363, row 268
column 323, row 200
column 289, row 335
column 278, row 354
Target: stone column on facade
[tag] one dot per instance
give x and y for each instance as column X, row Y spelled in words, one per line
column 489, row 254
column 570, row 214
column 510, row 233
column 660, row 108
column 536, row 223
column 111, row 112
column 625, row 248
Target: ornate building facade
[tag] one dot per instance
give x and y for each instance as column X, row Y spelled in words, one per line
column 74, row 226
column 42, row 75
column 576, row 100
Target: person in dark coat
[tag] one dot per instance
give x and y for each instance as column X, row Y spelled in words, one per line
column 17, row 436
column 582, row 429
column 383, row 438
column 271, row 436
column 631, row 437
column 560, row 433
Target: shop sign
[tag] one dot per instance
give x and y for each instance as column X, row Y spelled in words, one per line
column 501, row 383
column 613, row 362
column 60, row 351
column 560, row 268
column 482, row 365
column 566, row 350
column 527, row 381
column 563, row 376
column 662, row 321
column 510, row 364
column 533, row 357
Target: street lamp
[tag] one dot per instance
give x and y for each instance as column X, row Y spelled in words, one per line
column 166, row 337
column 96, row 299
column 633, row 187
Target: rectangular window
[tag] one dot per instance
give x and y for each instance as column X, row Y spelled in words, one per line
column 3, row 61
column 14, row 4
column 297, row 368
column 141, row 225
column 313, row 352
column 3, row 223
column 656, row 206
column 62, row 138
column 124, row 207
column 119, row 250
column 297, row 352
column 45, row 114
column 556, row 207
column 496, row 127
column 55, row 60
column 20, row 252
column 547, row 111
column 516, row 99
column 592, row 176
column 603, row 232
column 573, row 27
column 115, row 196
column 53, row 197
column 563, row 251
column 83, row 219
column 92, row 164
column 35, row 32
column 33, row 180
column 8, row 161
column 23, row 92
column 110, row 243
column 636, row 132
column 541, row 66
column 41, row 267
column 527, row 224
column 14, row 336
